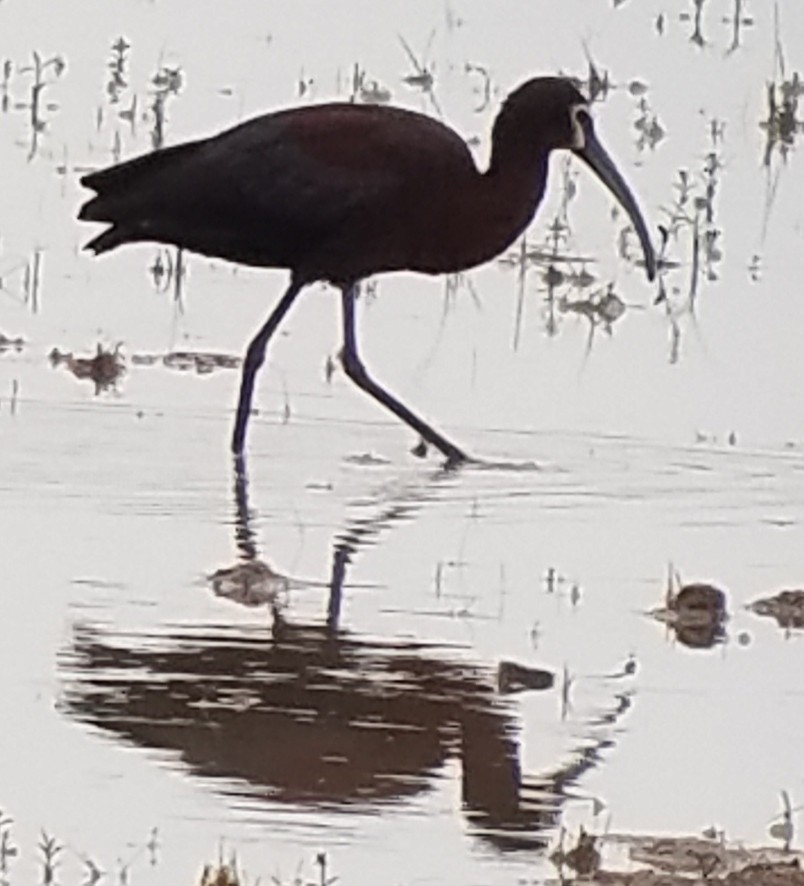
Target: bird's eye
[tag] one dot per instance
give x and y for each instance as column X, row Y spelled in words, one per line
column 582, row 117
column 580, row 121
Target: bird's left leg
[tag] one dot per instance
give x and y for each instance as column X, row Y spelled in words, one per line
column 255, row 355
column 354, row 368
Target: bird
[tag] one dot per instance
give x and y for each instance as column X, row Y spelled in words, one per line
column 339, row 192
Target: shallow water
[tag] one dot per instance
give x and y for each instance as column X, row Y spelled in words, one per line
column 364, row 717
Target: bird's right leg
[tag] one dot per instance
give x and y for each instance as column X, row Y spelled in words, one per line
column 255, row 356
column 354, row 368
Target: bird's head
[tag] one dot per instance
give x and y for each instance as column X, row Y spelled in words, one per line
column 553, row 113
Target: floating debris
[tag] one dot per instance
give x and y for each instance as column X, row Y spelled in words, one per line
column 687, row 855
column 711, row 860
column 366, row 459
column 679, row 861
column 583, row 858
column 10, row 344
column 202, row 362
column 370, row 92
column 251, row 583
column 696, row 612
column 146, row 359
column 104, row 369
column 699, row 598
column 512, row 677
column 637, row 88
column 787, row 607
column 373, row 92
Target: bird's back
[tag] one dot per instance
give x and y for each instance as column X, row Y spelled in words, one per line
column 332, row 191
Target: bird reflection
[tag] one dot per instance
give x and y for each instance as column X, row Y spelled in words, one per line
column 315, row 714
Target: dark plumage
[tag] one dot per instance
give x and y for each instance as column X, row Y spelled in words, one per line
column 339, row 192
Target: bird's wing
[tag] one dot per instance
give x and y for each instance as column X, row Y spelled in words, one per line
column 321, row 165
column 281, row 188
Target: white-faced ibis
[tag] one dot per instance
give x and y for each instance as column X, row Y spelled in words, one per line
column 338, row 192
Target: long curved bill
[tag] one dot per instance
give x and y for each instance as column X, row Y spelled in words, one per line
column 603, row 166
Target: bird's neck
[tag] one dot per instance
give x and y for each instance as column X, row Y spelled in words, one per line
column 518, row 144
column 518, row 166
column 514, row 157
column 513, row 187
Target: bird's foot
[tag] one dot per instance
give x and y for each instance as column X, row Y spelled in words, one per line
column 455, row 458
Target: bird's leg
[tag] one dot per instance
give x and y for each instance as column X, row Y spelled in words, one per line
column 355, row 369
column 255, row 355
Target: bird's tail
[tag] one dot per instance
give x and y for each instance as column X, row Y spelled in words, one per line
column 106, row 240
column 122, row 195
